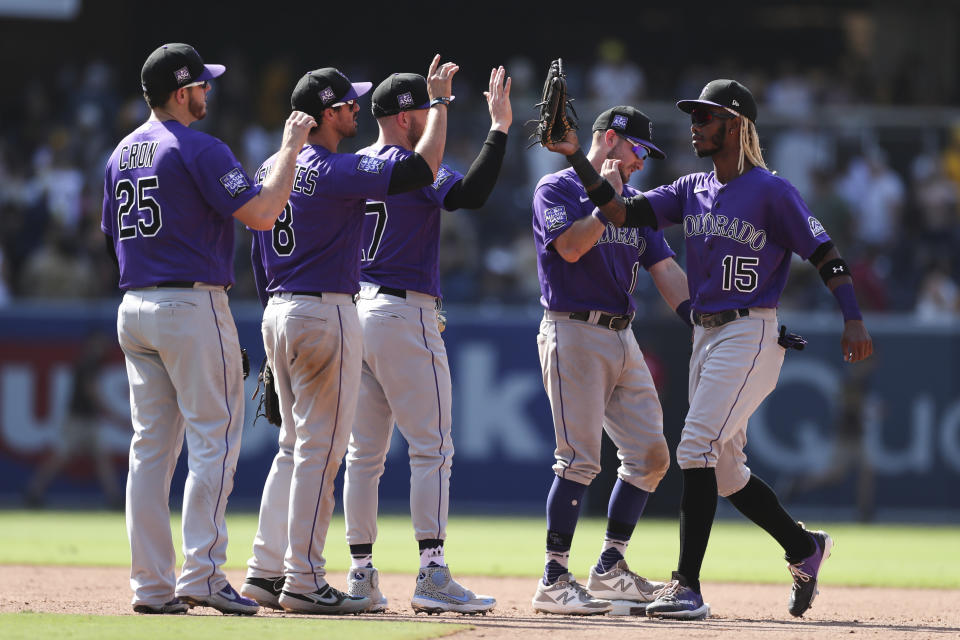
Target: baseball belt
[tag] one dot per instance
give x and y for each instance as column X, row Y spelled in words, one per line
column 610, row 321
column 714, row 320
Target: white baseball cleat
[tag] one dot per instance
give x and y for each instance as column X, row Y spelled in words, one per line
column 437, row 592
column 226, row 601
column 567, row 597
column 619, row 583
column 324, row 601
column 365, row 582
column 266, row 591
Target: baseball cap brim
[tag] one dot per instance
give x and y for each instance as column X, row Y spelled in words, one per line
column 689, row 105
column 655, row 151
column 357, row 89
column 210, row 71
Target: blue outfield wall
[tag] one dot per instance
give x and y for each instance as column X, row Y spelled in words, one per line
column 502, row 430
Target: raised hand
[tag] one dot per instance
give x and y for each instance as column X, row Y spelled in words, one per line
column 440, row 78
column 498, row 100
column 297, row 129
column 611, row 171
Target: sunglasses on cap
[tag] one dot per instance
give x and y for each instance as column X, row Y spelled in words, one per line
column 638, row 149
column 348, row 103
column 203, row 84
column 701, row 116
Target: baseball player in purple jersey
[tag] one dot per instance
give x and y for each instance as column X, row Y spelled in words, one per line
column 593, row 371
column 170, row 197
column 741, row 223
column 311, row 272
column 405, row 377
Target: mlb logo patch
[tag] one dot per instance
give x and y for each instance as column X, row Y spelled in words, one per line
column 815, row 227
column 443, row 174
column 405, row 100
column 182, row 74
column 327, row 95
column 370, row 164
column 619, row 122
column 734, row 103
column 555, row 217
column 235, row 182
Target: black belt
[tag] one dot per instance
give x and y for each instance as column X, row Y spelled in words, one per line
column 183, row 284
column 714, row 320
column 318, row 294
column 390, row 291
column 610, row 321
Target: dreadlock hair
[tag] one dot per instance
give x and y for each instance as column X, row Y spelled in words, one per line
column 749, row 145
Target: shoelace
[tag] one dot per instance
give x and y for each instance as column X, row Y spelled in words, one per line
column 798, row 573
column 668, row 590
column 583, row 594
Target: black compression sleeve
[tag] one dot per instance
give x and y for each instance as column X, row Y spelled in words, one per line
column 820, row 252
column 640, row 212
column 111, row 251
column 410, row 174
column 472, row 192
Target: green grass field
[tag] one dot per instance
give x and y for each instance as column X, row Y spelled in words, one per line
column 922, row 556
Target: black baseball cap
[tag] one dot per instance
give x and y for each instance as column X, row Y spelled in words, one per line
column 174, row 65
column 400, row 92
column 724, row 93
column 323, row 88
column 632, row 124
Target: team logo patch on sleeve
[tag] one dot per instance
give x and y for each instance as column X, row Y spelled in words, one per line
column 555, row 217
column 619, row 122
column 370, row 164
column 815, row 227
column 235, row 182
column 443, row 174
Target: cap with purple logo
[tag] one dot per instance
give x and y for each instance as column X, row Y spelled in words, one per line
column 400, row 92
column 324, row 88
column 729, row 94
column 175, row 65
column 630, row 123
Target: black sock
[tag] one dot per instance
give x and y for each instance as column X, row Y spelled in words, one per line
column 758, row 502
column 698, row 505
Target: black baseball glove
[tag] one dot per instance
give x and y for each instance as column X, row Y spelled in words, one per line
column 269, row 404
column 790, row 340
column 554, row 121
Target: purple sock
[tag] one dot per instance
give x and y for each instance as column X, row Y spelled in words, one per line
column 626, row 503
column 563, row 506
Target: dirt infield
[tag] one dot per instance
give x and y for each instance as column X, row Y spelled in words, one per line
column 750, row 611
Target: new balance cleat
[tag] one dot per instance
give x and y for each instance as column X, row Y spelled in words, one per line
column 437, row 592
column 266, row 591
column 678, row 601
column 365, row 582
column 622, row 584
column 806, row 571
column 174, row 606
column 567, row 597
column 226, row 601
column 325, row 601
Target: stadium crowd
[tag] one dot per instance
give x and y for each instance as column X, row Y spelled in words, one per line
column 888, row 193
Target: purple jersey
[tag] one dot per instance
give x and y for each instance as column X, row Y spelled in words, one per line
column 169, row 196
column 739, row 236
column 605, row 276
column 315, row 243
column 401, row 235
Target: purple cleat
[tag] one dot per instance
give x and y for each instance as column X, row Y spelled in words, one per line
column 225, row 601
column 678, row 601
column 806, row 571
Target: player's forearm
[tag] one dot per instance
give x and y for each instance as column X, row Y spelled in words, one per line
column 630, row 212
column 836, row 276
column 431, row 144
column 276, row 188
column 477, row 185
column 579, row 238
column 671, row 282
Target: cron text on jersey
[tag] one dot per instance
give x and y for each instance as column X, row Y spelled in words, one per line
column 137, row 155
column 707, row 224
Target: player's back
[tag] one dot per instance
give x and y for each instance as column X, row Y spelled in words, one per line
column 163, row 226
column 401, row 234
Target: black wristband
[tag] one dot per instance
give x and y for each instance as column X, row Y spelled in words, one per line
column 585, row 171
column 602, row 194
column 833, row 269
column 639, row 212
column 683, row 310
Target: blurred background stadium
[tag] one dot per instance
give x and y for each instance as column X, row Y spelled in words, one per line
column 858, row 108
